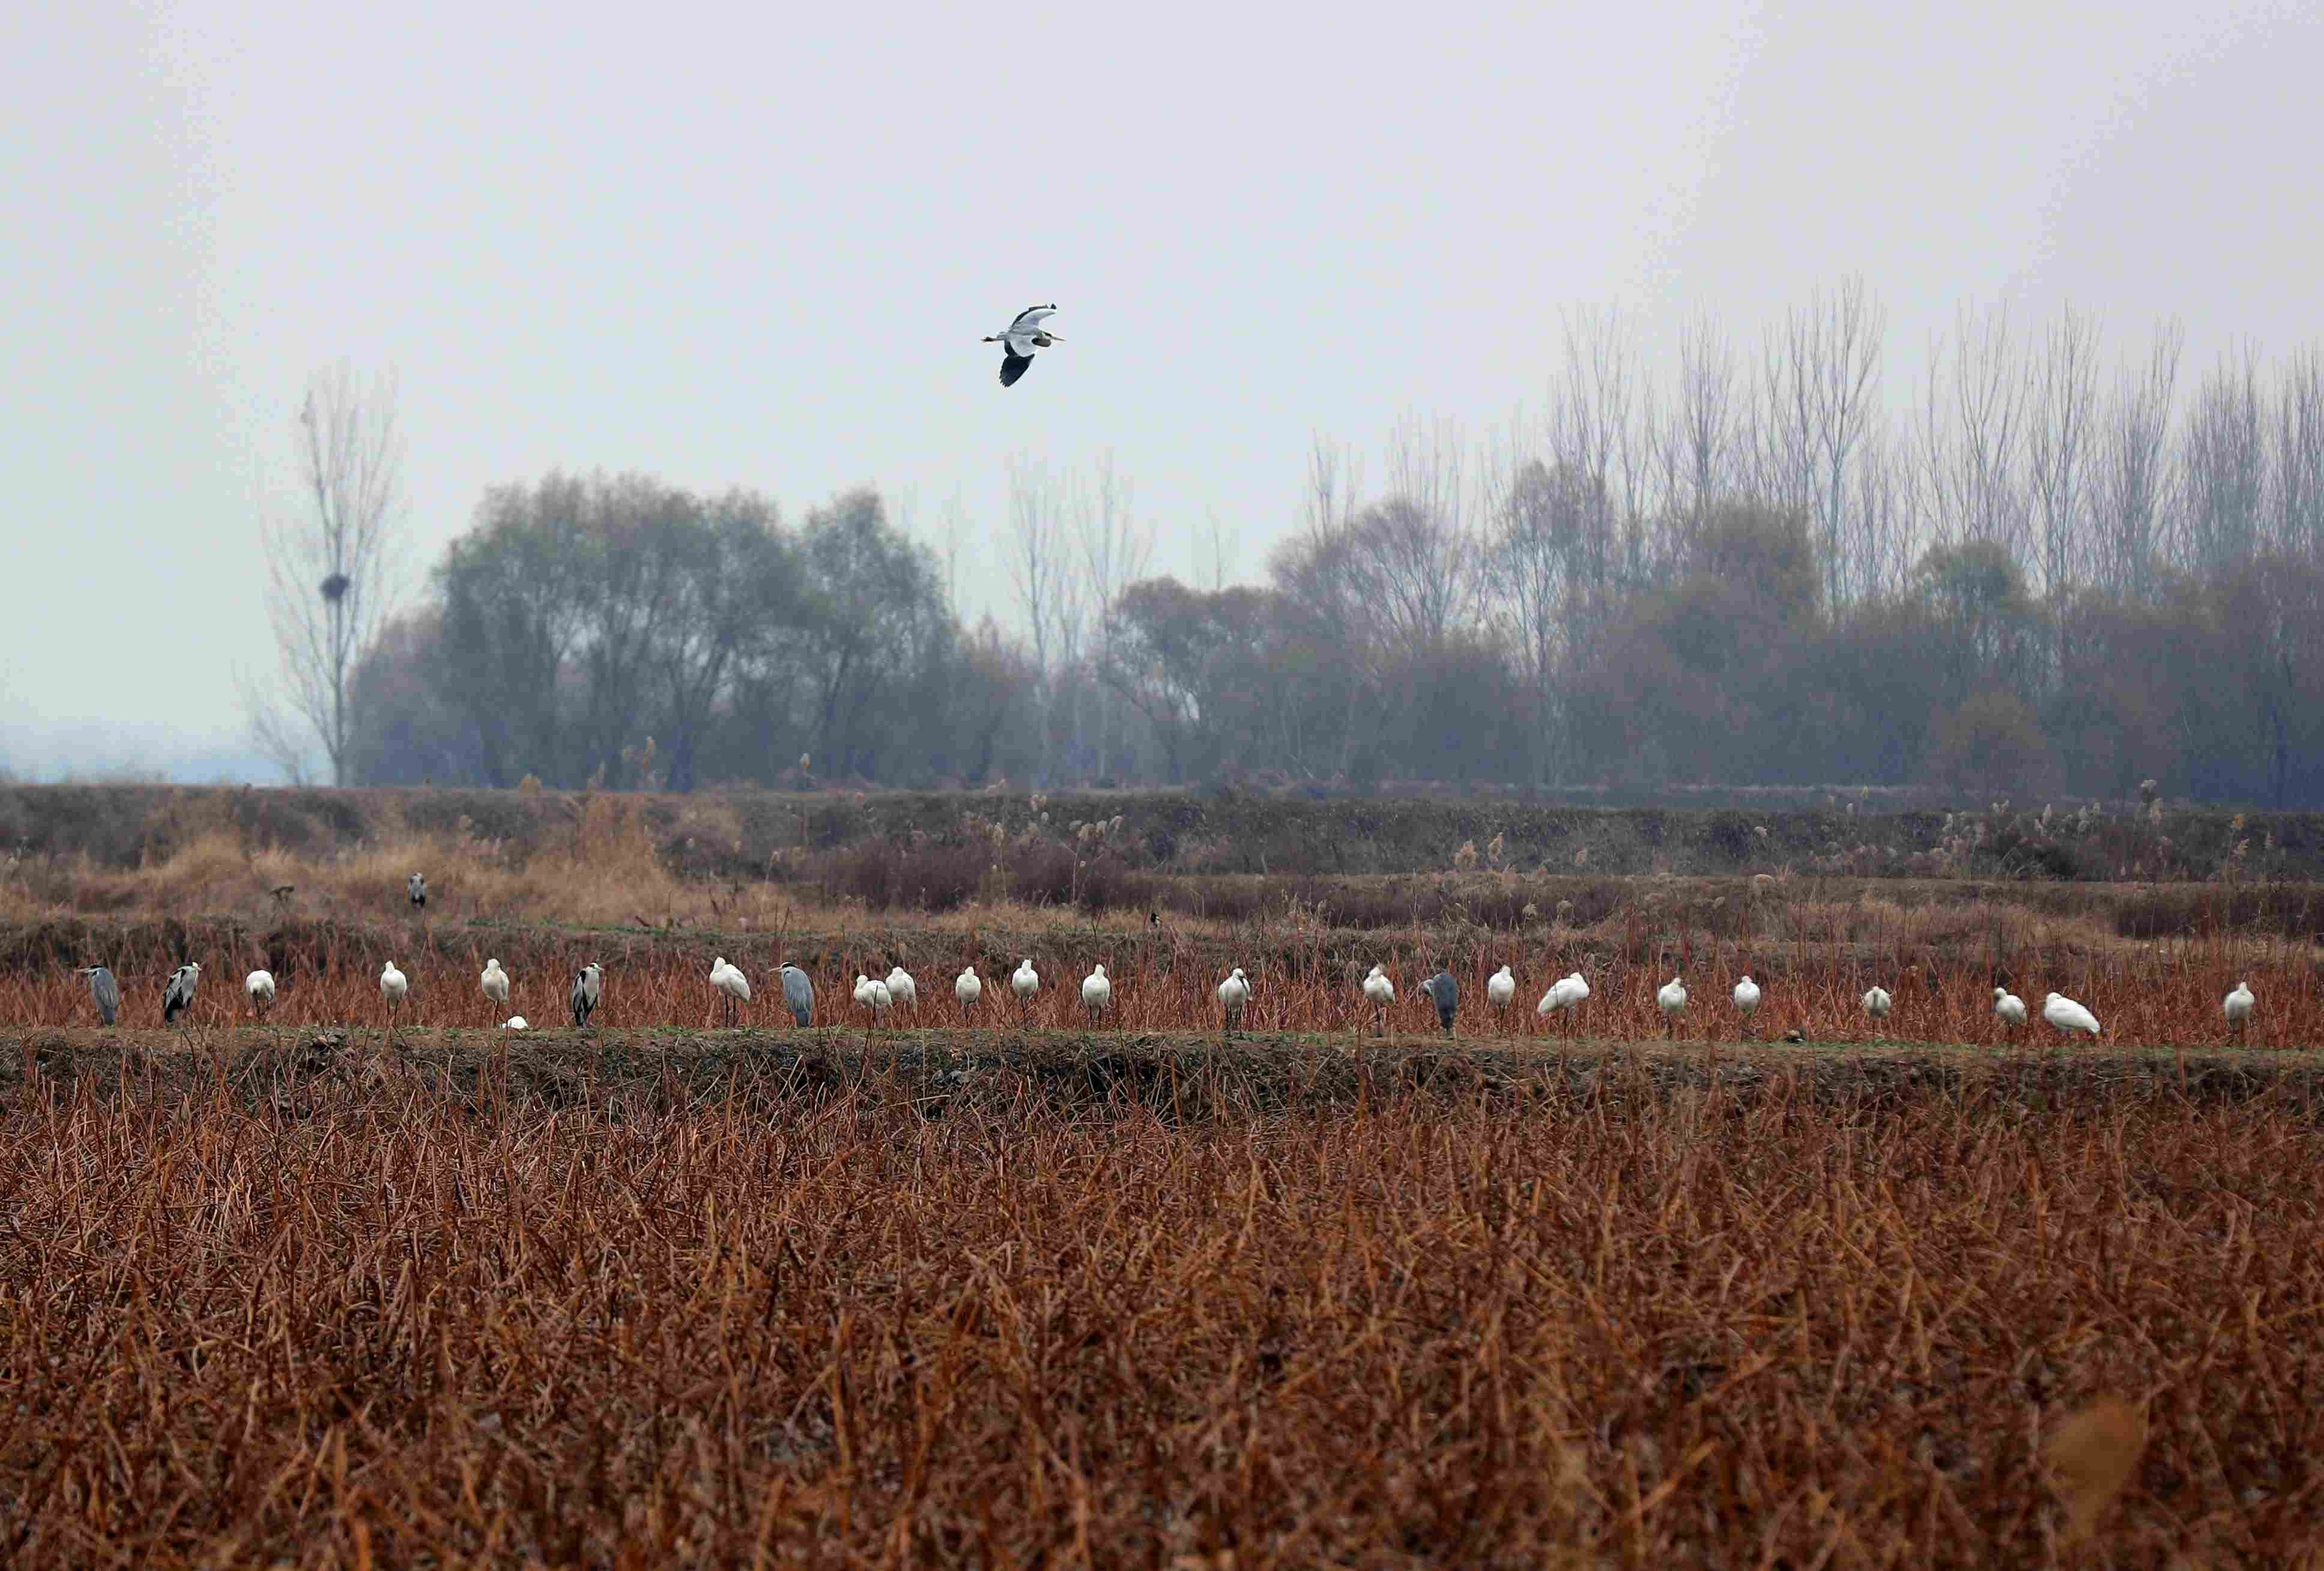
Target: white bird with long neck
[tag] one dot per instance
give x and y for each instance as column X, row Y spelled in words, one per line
column 1671, row 999
column 1747, row 998
column 1564, row 994
column 967, row 987
column 393, row 986
column 1499, row 988
column 1379, row 992
column 734, row 987
column 1025, row 981
column 1097, row 993
column 2007, row 1007
column 902, row 991
column 1233, row 993
column 495, row 982
column 260, row 985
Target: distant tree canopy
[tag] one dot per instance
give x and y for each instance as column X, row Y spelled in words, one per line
column 2041, row 589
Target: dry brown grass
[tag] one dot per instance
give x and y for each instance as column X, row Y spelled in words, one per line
column 376, row 1324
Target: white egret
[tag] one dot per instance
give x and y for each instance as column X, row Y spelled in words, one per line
column 2069, row 1016
column 2008, row 1006
column 1379, row 992
column 2237, row 1006
column 1025, row 984
column 1233, row 993
column 260, row 985
column 1097, row 993
column 1564, row 994
column 734, row 987
column 967, row 987
column 1499, row 988
column 1670, row 998
column 1876, row 1003
column 495, row 982
column 1746, row 997
column 393, row 987
column 903, row 989
column 515, row 1024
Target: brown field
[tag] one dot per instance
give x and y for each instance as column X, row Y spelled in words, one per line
column 1031, row 1290
column 349, row 1311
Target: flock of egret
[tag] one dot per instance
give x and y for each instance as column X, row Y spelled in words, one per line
column 881, row 996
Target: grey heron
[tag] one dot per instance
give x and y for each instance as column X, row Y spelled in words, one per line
column 417, row 886
column 2069, row 1016
column 1447, row 994
column 734, row 987
column 1233, row 993
column 1097, row 993
column 105, row 991
column 495, row 982
column 1020, row 338
column 588, row 987
column 798, row 994
column 178, row 996
column 260, row 985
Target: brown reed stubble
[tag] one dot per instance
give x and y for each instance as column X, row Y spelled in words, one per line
column 2156, row 996
column 1644, row 1332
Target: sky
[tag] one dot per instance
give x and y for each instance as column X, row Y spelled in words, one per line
column 758, row 246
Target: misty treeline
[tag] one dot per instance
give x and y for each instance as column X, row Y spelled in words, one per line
column 2062, row 570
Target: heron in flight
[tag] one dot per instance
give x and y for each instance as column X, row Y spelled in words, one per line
column 1020, row 338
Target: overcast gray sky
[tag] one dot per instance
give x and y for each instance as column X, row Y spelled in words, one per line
column 757, row 245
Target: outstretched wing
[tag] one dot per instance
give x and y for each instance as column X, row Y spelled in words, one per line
column 1012, row 367
column 1031, row 319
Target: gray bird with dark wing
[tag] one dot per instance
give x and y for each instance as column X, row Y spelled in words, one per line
column 418, row 887
column 178, row 996
column 798, row 993
column 588, row 987
column 1447, row 994
column 106, row 991
column 1020, row 338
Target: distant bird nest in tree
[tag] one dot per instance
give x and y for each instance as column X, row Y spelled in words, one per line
column 335, row 587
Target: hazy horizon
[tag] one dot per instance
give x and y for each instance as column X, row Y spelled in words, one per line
column 762, row 252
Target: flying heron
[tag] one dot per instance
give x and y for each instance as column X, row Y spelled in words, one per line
column 1020, row 338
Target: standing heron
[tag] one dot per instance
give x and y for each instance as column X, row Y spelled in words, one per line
column 495, row 982
column 588, row 987
column 1379, row 992
column 1447, row 994
column 2237, row 1007
column 260, row 985
column 903, row 990
column 1020, row 338
column 734, row 987
column 798, row 994
column 394, row 987
column 1499, row 988
column 178, row 996
column 105, row 991
column 1233, row 993
column 1097, row 993
column 417, row 887
column 967, row 987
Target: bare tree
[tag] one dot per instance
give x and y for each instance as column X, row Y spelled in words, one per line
column 2296, row 491
column 2060, row 448
column 2223, row 470
column 1819, row 401
column 1697, row 445
column 1115, row 549
column 334, row 571
column 2132, row 482
column 1218, row 545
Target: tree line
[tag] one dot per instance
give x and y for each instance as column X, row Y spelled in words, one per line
column 2053, row 575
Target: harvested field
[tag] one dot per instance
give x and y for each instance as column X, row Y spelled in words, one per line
column 704, row 1299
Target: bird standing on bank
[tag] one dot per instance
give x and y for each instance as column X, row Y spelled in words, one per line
column 799, row 995
column 1875, row 1004
column 902, row 990
column 967, row 988
column 588, row 987
column 1671, row 999
column 416, row 887
column 1020, row 338
column 1379, row 992
column 495, row 982
column 2069, row 1016
column 1747, row 999
column 1499, row 988
column 1233, row 993
column 2237, row 1006
column 178, row 996
column 105, row 992
column 393, row 987
column 1446, row 992
column 1097, row 993
column 734, row 987
column 1564, row 994
column 1025, row 983
column 260, row 985
column 2008, row 1007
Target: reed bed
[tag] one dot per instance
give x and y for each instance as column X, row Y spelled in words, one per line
column 399, row 1326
